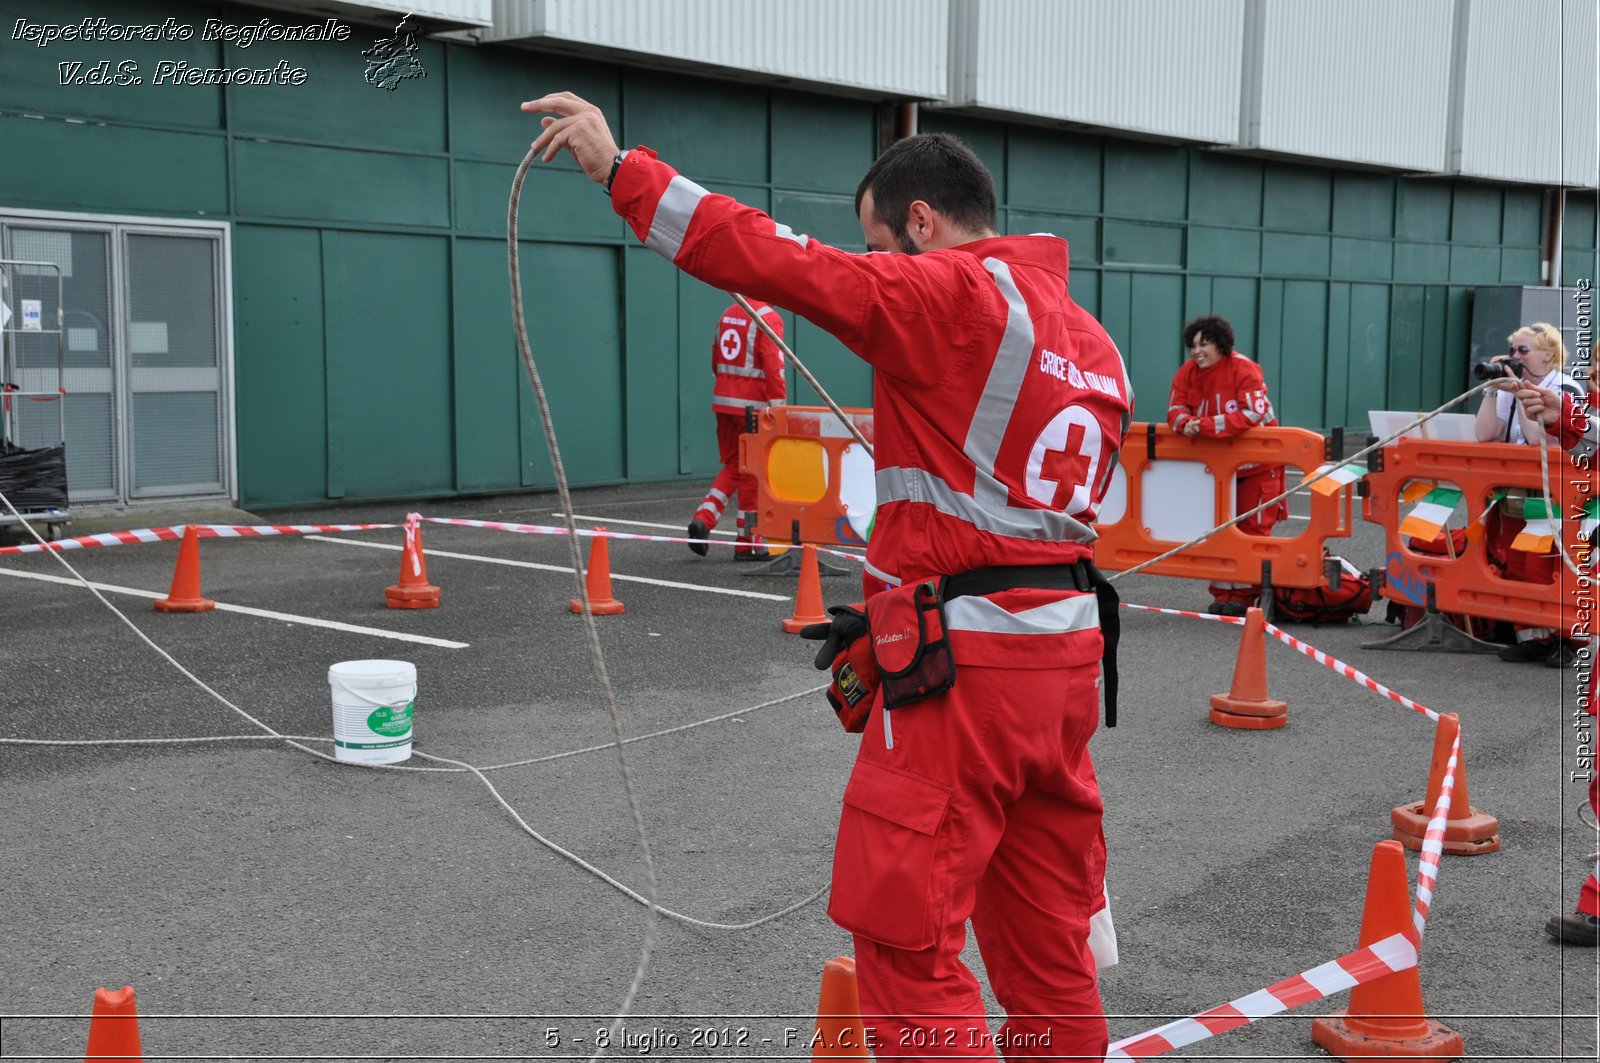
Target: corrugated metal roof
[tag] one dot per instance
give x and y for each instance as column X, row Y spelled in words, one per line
column 461, row 13
column 1151, row 66
column 896, row 48
column 1528, row 92
column 1365, row 81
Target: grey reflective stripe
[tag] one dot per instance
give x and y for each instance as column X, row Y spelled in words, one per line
column 789, row 234
column 972, row 613
column 672, row 217
column 1220, row 422
column 1000, row 390
column 873, row 570
column 909, row 484
column 1252, row 416
column 739, row 370
column 739, row 400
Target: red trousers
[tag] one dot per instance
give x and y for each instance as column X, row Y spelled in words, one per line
column 1250, row 491
column 1589, row 895
column 729, row 489
column 986, row 808
column 1519, row 565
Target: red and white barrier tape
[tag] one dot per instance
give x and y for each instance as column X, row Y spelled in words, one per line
column 1348, row 672
column 551, row 529
column 1394, row 953
column 1184, row 612
column 205, row 531
column 1433, row 842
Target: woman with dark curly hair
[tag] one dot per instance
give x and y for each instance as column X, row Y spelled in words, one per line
column 1218, row 393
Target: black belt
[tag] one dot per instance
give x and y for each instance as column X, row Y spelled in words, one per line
column 1078, row 576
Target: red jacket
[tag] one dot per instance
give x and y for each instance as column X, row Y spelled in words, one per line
column 747, row 364
column 1228, row 398
column 1000, row 403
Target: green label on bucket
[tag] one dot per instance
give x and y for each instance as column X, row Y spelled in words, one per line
column 391, row 720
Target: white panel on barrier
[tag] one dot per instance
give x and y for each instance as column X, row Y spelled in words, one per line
column 1115, row 504
column 1186, row 490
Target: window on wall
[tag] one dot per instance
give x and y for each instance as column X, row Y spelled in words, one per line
column 144, row 355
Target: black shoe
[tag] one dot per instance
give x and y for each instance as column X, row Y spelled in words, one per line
column 1227, row 609
column 1574, row 928
column 698, row 530
column 1562, row 655
column 1526, row 652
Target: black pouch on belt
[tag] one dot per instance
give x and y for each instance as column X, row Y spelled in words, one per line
column 910, row 643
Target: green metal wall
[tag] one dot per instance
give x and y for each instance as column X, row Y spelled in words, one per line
column 374, row 349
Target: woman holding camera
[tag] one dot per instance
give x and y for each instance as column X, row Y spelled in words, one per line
column 1535, row 358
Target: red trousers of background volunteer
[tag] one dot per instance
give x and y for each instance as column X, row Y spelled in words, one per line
column 1589, row 896
column 985, row 808
column 728, row 483
column 1519, row 565
column 1252, row 489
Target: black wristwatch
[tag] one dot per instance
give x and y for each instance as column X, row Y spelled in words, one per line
column 616, row 164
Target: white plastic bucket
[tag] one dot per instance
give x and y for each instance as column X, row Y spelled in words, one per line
column 373, row 702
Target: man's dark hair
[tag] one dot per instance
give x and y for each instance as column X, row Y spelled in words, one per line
column 934, row 167
column 1213, row 328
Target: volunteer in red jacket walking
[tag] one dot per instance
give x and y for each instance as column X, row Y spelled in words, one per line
column 1000, row 406
column 748, row 370
column 1219, row 393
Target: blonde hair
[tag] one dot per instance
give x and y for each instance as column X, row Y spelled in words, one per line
column 1546, row 337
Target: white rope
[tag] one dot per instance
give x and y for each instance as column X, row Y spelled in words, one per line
column 784, row 347
column 297, row 742
column 1301, row 486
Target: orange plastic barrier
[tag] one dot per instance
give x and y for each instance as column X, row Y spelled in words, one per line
column 798, row 456
column 1469, row 582
column 1231, row 555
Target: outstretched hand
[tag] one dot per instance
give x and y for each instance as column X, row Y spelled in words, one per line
column 580, row 128
column 1540, row 404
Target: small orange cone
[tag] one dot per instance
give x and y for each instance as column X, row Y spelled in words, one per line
column 184, row 597
column 1468, row 831
column 1385, row 1017
column 808, row 599
column 840, row 1031
column 413, row 591
column 114, row 1026
column 1246, row 705
column 597, row 581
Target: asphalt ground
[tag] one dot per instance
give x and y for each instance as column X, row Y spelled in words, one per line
column 266, row 903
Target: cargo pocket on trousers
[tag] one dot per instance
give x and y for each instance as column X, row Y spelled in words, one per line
column 889, row 840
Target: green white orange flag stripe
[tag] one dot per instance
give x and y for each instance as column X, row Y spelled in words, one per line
column 1335, row 477
column 1430, row 516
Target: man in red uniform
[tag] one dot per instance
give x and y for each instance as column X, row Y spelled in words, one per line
column 1000, row 407
column 748, row 368
column 1577, row 429
column 1218, row 393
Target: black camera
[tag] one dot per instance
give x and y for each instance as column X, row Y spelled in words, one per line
column 1493, row 370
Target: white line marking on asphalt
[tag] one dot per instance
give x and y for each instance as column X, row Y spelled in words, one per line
column 311, row 621
column 641, row 524
column 431, row 552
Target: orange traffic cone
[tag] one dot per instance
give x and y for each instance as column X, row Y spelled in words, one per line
column 1468, row 831
column 840, row 1031
column 597, row 581
column 808, row 599
column 1385, row 1016
column 184, row 597
column 1246, row 705
column 413, row 591
column 114, row 1026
